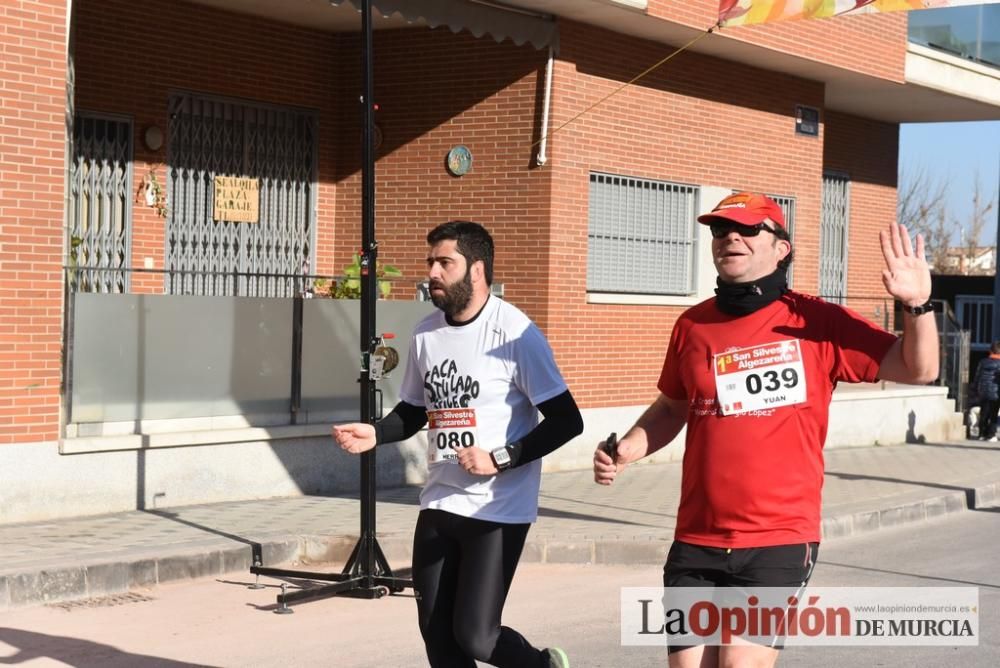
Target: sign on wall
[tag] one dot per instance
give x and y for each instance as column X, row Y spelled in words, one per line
column 237, row 199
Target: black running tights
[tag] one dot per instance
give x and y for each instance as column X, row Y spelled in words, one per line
column 462, row 570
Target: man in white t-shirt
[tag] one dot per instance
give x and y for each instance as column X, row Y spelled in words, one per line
column 478, row 374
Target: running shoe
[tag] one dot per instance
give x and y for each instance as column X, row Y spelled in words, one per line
column 557, row 658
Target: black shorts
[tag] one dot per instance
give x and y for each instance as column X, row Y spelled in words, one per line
column 788, row 566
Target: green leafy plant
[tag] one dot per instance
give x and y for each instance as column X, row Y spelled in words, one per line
column 321, row 287
column 74, row 260
column 349, row 287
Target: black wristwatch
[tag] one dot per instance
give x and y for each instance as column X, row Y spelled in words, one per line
column 501, row 458
column 920, row 310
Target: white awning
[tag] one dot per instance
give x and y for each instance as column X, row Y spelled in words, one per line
column 479, row 18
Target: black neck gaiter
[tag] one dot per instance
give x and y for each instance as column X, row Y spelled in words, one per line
column 745, row 298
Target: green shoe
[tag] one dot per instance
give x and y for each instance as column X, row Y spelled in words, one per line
column 557, row 658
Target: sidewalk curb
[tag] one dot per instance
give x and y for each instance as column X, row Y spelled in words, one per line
column 96, row 580
column 918, row 511
column 653, row 551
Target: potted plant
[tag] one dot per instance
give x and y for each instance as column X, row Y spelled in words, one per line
column 349, row 286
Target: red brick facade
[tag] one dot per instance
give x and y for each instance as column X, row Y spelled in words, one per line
column 32, row 177
column 697, row 120
column 467, row 91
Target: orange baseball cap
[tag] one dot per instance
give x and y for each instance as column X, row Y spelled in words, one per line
column 746, row 209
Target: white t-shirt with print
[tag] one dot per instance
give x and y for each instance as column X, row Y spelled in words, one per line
column 480, row 383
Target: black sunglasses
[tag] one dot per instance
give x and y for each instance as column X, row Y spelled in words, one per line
column 722, row 230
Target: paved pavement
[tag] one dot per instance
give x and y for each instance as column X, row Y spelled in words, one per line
column 866, row 489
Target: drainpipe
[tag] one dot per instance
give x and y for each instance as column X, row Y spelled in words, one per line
column 70, row 111
column 66, row 360
column 541, row 158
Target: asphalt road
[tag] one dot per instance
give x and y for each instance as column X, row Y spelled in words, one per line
column 222, row 623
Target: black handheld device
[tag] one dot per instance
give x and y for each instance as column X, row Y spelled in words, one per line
column 611, row 446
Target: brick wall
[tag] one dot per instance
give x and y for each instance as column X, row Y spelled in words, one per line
column 462, row 90
column 32, row 177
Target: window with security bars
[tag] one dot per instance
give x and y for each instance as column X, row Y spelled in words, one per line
column 787, row 205
column 100, row 211
column 975, row 313
column 641, row 236
column 833, row 225
column 276, row 147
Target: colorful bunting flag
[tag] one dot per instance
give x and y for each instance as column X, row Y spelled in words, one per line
column 745, row 12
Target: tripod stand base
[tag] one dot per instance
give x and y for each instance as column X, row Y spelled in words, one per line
column 344, row 584
column 350, row 582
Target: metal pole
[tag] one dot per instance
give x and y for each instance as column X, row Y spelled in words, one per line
column 296, row 390
column 367, row 573
column 368, row 287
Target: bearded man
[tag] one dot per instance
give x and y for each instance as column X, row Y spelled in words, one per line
column 479, row 372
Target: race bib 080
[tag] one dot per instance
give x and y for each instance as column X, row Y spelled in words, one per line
column 448, row 430
column 770, row 375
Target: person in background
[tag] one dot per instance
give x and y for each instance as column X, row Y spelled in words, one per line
column 986, row 382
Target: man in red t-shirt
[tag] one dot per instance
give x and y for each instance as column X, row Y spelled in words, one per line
column 751, row 373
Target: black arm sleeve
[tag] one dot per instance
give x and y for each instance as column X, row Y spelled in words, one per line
column 561, row 422
column 404, row 421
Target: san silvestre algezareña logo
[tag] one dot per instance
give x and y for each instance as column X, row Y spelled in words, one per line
column 849, row 616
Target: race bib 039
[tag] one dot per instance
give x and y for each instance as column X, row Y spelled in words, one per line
column 770, row 375
column 448, row 430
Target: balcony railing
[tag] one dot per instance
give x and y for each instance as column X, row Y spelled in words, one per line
column 971, row 32
column 146, row 361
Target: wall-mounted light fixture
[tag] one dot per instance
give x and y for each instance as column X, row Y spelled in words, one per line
column 153, row 138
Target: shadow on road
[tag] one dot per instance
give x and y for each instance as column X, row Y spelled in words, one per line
column 912, row 575
column 78, row 653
